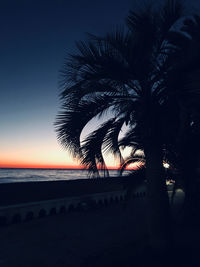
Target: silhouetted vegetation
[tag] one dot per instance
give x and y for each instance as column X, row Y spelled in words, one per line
column 146, row 77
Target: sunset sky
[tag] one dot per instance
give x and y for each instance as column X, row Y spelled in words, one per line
column 36, row 36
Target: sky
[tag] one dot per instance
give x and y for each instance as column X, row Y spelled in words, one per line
column 35, row 37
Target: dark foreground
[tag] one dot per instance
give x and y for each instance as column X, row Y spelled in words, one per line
column 106, row 237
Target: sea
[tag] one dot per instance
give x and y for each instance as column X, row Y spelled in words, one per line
column 31, row 175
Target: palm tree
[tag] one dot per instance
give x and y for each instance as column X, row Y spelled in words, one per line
column 184, row 85
column 123, row 75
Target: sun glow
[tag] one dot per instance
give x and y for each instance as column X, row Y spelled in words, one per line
column 40, row 157
column 41, row 151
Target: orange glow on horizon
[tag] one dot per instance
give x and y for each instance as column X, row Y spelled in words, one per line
column 42, row 153
column 37, row 166
column 45, row 166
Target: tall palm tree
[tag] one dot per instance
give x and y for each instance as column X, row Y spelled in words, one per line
column 123, row 75
column 184, row 85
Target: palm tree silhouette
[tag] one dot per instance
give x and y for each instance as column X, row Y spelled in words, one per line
column 184, row 86
column 123, row 74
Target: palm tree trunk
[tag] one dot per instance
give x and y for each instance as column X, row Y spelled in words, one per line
column 188, row 150
column 158, row 212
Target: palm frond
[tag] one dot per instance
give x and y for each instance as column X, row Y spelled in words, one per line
column 72, row 119
column 138, row 159
column 95, row 62
column 80, row 90
column 132, row 138
column 139, row 20
column 110, row 142
column 191, row 26
column 171, row 12
column 91, row 148
column 179, row 40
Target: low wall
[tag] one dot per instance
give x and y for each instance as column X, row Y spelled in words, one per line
column 25, row 201
column 23, row 192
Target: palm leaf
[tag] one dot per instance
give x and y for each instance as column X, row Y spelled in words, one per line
column 72, row 119
column 139, row 159
column 110, row 142
column 171, row 12
column 91, row 148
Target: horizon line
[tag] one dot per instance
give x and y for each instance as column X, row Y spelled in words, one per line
column 55, row 168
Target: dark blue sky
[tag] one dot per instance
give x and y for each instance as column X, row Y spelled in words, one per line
column 35, row 37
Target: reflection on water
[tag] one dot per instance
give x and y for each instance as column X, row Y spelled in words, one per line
column 29, row 175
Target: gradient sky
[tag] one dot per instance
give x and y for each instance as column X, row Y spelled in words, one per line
column 35, row 37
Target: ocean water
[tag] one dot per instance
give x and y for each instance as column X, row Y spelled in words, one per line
column 30, row 175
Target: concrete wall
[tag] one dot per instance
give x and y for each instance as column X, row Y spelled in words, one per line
column 23, row 192
column 27, row 211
